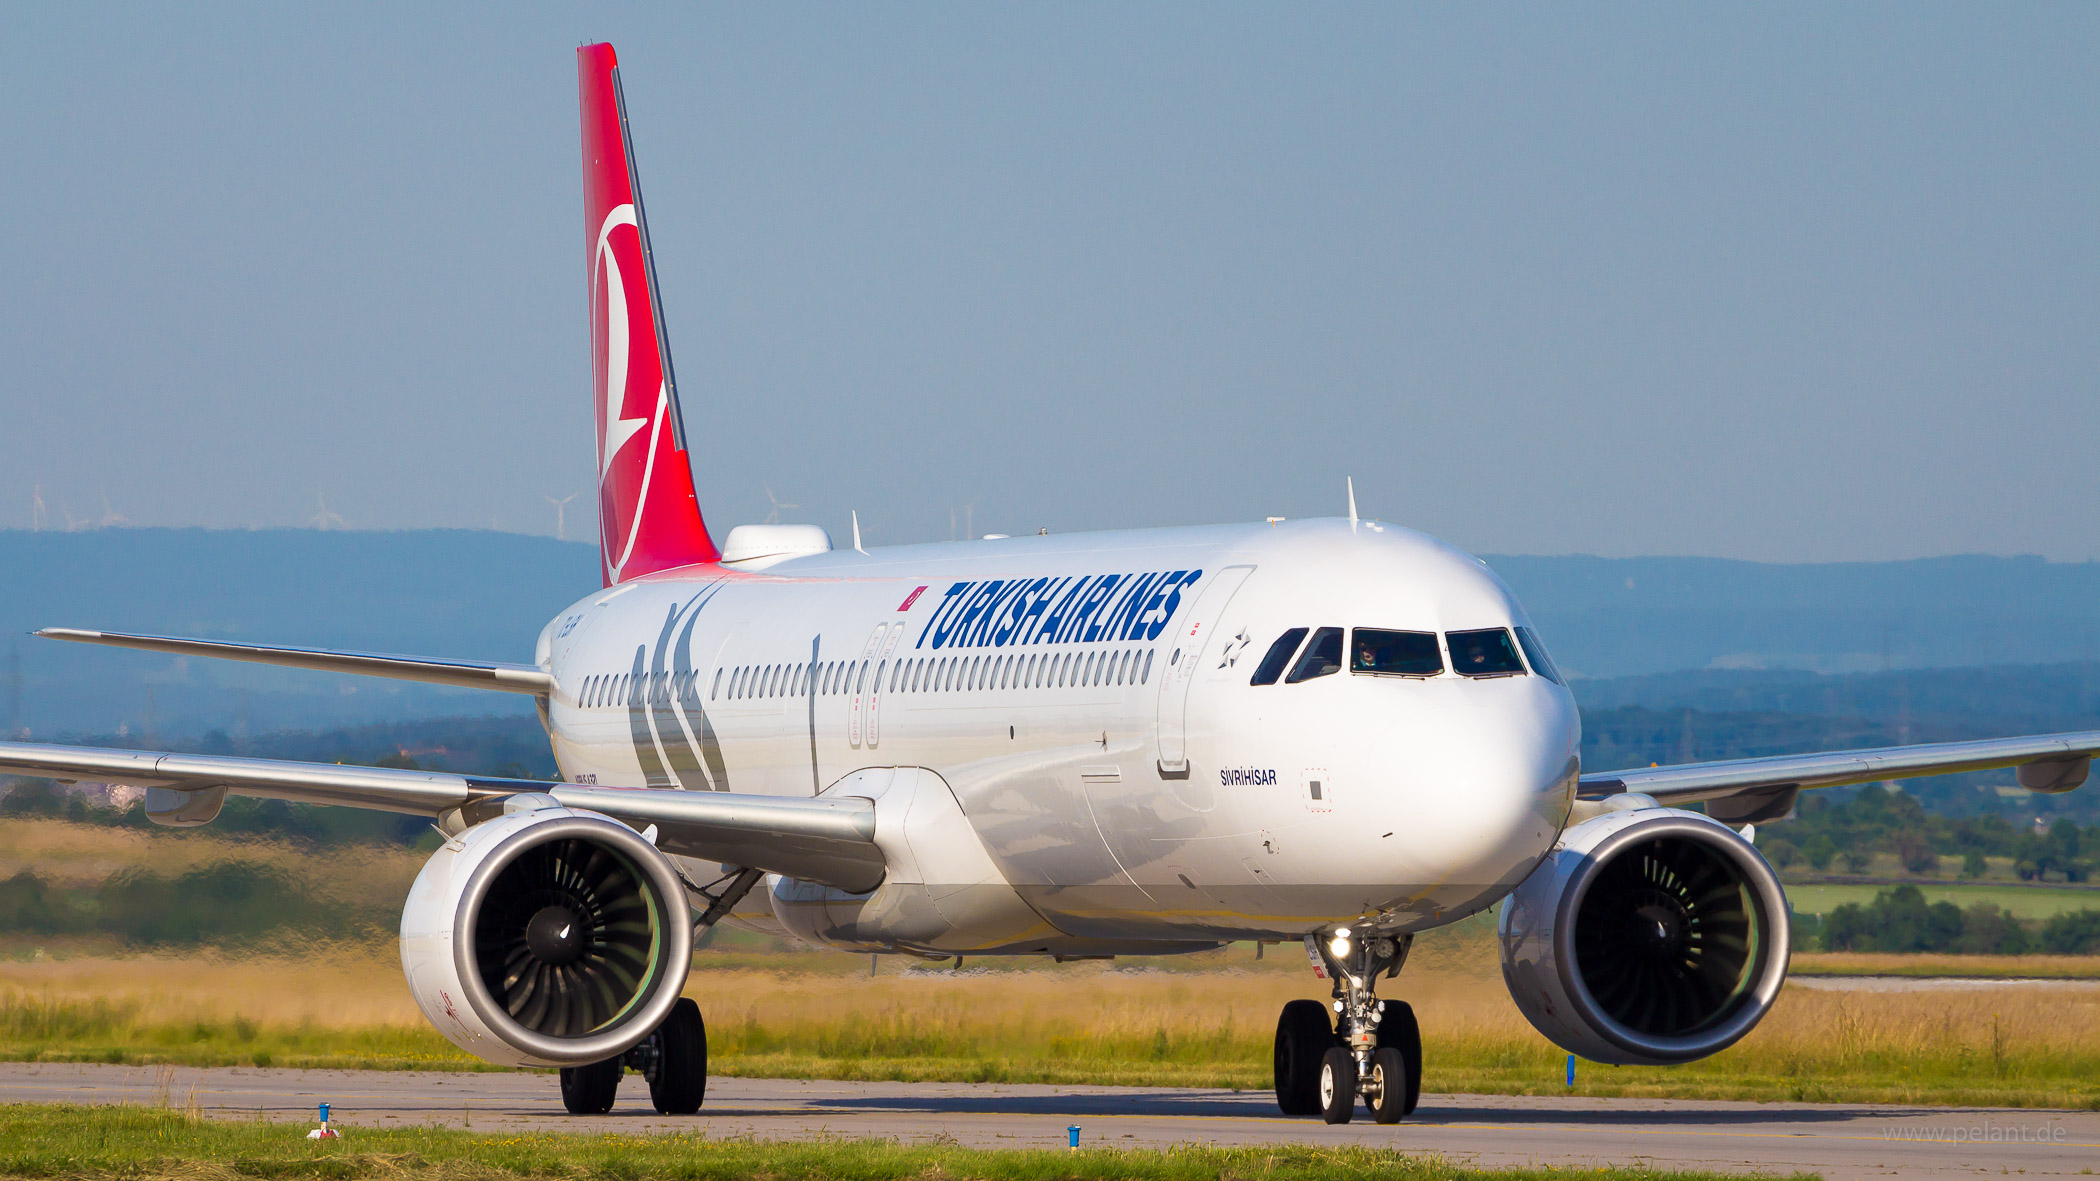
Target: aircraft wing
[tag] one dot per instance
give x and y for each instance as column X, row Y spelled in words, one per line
column 1742, row 790
column 831, row 841
column 464, row 674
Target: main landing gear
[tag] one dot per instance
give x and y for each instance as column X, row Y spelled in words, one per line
column 1373, row 1048
column 673, row 1059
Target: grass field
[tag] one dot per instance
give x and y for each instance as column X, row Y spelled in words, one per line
column 1079, row 1023
column 136, row 1144
column 1204, row 1020
column 2026, row 902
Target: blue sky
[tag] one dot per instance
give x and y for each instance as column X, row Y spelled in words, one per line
column 1776, row 282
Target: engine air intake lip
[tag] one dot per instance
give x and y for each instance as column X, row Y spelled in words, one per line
column 574, row 933
column 1648, row 937
column 1679, row 942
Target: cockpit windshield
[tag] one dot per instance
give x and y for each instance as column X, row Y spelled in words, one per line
column 1279, row 655
column 1395, row 654
column 1323, row 655
column 1535, row 652
column 1488, row 652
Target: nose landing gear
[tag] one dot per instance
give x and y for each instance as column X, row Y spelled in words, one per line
column 1373, row 1049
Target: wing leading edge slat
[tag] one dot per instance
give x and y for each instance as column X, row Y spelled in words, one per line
column 830, row 841
column 463, row 674
column 1687, row 783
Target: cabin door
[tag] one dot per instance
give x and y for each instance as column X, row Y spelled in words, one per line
column 1194, row 640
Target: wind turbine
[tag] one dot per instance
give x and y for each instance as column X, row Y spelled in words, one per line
column 324, row 518
column 110, row 516
column 37, row 511
column 560, row 509
column 773, row 518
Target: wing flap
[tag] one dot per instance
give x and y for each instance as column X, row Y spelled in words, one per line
column 462, row 674
column 2061, row 756
column 831, row 841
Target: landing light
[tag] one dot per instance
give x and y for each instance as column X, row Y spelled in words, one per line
column 1339, row 947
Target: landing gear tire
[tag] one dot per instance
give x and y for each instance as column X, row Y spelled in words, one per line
column 589, row 1090
column 1397, row 1031
column 1385, row 1091
column 1337, row 1085
column 680, row 1081
column 1303, row 1035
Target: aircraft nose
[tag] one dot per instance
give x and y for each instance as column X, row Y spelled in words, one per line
column 1489, row 786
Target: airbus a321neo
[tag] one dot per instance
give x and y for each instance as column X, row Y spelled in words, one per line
column 1333, row 733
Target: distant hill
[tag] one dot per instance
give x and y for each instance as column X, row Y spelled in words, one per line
column 446, row 592
column 479, row 594
column 1981, row 702
column 1737, row 713
column 1617, row 617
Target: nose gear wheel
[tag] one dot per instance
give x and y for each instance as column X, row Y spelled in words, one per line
column 1372, row 1051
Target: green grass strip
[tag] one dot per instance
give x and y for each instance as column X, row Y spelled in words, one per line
column 146, row 1144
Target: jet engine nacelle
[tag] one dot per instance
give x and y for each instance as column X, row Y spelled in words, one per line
column 546, row 937
column 1647, row 937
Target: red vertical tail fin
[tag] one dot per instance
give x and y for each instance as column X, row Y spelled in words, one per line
column 648, row 516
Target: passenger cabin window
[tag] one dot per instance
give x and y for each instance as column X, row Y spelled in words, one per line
column 1271, row 666
column 1395, row 654
column 1323, row 657
column 1485, row 653
column 1535, row 652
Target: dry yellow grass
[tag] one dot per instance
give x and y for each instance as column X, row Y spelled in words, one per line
column 2019, row 1046
column 2015, row 1046
column 335, row 987
column 1998, row 967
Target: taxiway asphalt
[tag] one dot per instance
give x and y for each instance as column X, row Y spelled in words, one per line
column 1837, row 1140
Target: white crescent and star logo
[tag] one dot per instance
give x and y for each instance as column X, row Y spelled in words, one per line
column 619, row 430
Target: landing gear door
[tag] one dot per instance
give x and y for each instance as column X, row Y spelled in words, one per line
column 1187, row 648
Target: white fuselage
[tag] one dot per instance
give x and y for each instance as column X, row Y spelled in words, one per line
column 1079, row 708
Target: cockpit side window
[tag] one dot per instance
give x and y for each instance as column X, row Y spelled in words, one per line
column 1488, row 652
column 1279, row 655
column 1395, row 654
column 1535, row 652
column 1323, row 657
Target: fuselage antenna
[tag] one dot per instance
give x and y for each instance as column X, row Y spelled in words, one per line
column 1352, row 502
column 856, row 531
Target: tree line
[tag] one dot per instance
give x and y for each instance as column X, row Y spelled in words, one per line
column 230, row 902
column 1830, row 832
column 1899, row 919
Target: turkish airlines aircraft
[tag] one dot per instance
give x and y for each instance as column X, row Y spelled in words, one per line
column 1330, row 732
